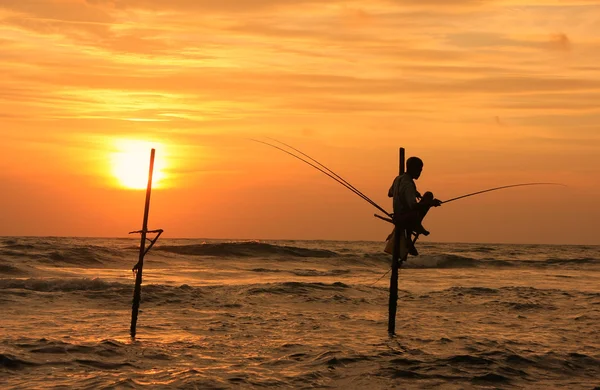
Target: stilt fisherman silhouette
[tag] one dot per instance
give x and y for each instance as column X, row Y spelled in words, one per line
column 409, row 206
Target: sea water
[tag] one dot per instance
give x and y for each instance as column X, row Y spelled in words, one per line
column 297, row 314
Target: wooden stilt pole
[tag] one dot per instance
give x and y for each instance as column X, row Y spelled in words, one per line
column 139, row 266
column 399, row 232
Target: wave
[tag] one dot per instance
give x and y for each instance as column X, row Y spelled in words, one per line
column 472, row 291
column 478, row 249
column 304, row 272
column 60, row 285
column 525, row 291
column 314, row 272
column 456, row 261
column 442, row 261
column 490, row 368
column 582, row 261
column 296, row 288
column 13, row 362
column 16, row 246
column 528, row 306
column 77, row 255
column 97, row 284
column 43, row 352
column 245, row 249
column 10, row 270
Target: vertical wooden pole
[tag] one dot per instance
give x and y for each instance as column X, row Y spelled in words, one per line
column 395, row 265
column 138, row 279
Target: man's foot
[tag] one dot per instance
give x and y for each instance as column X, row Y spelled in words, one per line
column 421, row 230
column 411, row 248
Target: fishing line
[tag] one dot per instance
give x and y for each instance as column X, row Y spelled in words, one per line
column 382, row 276
column 339, row 180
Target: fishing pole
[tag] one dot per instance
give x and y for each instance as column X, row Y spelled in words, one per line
column 331, row 175
column 337, row 177
column 484, row 191
column 358, row 192
column 500, row 188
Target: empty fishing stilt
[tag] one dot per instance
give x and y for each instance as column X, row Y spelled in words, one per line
column 138, row 268
column 398, row 256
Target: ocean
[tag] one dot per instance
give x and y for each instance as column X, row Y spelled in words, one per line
column 218, row 314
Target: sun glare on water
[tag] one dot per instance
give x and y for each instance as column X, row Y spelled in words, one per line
column 131, row 162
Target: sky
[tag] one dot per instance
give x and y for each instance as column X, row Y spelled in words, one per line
column 486, row 92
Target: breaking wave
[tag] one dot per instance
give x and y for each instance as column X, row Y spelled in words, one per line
column 10, row 270
column 296, row 288
column 74, row 255
column 60, row 285
column 455, row 261
column 491, row 368
column 245, row 249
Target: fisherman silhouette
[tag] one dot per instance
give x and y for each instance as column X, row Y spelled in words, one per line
column 408, row 213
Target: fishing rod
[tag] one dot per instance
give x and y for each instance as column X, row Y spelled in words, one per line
column 484, row 191
column 500, row 188
column 331, row 174
column 354, row 189
column 345, row 182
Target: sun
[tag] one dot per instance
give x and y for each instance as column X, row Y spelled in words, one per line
column 131, row 162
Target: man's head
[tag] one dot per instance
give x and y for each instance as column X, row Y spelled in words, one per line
column 414, row 166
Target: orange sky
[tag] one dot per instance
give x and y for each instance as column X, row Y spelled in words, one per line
column 488, row 93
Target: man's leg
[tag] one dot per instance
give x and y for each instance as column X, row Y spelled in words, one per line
column 413, row 221
column 405, row 223
column 423, row 207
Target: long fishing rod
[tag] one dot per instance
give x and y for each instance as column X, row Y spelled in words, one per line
column 356, row 190
column 346, row 183
column 341, row 181
column 500, row 188
column 484, row 191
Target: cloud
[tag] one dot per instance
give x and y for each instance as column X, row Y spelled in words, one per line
column 499, row 40
column 68, row 11
column 187, row 61
column 203, row 5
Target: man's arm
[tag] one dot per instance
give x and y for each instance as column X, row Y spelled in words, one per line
column 410, row 196
column 391, row 190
